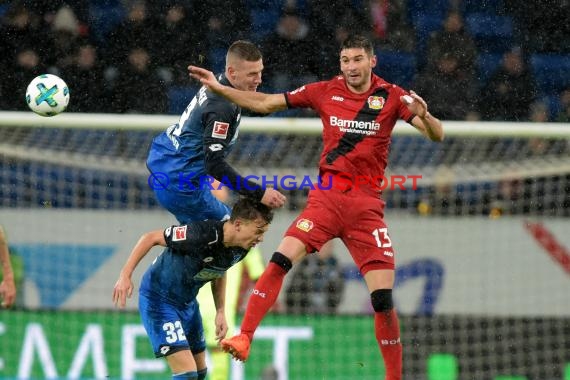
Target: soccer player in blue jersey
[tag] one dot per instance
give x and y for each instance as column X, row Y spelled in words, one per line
column 195, row 253
column 182, row 157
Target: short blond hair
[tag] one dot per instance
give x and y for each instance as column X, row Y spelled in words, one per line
column 243, row 50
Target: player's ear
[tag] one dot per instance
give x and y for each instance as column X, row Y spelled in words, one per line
column 373, row 61
column 230, row 72
column 237, row 224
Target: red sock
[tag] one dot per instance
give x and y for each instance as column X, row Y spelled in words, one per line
column 262, row 298
column 387, row 331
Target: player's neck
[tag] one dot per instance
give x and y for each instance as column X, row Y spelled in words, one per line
column 229, row 233
column 361, row 89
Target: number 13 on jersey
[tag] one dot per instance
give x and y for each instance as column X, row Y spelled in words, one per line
column 382, row 238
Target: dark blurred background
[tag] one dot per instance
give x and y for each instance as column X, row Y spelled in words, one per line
column 509, row 60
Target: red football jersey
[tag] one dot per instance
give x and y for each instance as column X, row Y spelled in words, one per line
column 357, row 127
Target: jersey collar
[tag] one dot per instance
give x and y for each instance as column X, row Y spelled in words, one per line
column 224, row 80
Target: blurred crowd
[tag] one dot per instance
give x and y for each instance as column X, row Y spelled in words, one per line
column 131, row 56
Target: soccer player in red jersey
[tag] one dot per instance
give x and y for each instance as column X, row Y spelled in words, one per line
column 358, row 110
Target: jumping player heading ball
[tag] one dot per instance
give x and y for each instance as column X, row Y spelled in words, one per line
column 358, row 110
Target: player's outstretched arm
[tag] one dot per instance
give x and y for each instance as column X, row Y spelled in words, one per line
column 124, row 285
column 426, row 123
column 255, row 101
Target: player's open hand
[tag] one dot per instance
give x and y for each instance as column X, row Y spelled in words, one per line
column 415, row 103
column 221, row 326
column 7, row 292
column 206, row 77
column 123, row 289
column 273, row 198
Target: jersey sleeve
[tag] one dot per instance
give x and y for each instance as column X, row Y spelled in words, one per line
column 307, row 96
column 218, row 133
column 185, row 238
column 403, row 112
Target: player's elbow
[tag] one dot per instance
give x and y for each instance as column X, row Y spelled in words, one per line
column 210, row 167
column 266, row 108
column 215, row 165
column 152, row 239
column 435, row 133
column 437, row 137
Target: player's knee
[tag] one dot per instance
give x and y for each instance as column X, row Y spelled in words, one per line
column 282, row 260
column 382, row 300
column 202, row 374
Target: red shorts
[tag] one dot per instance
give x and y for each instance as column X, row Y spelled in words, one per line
column 357, row 218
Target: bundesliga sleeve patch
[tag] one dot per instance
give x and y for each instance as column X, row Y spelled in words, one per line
column 220, row 130
column 179, row 233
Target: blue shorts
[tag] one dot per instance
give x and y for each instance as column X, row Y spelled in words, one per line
column 171, row 328
column 195, row 206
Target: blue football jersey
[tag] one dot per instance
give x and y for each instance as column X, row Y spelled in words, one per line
column 195, row 254
column 204, row 134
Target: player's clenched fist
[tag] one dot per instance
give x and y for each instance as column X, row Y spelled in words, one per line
column 273, row 198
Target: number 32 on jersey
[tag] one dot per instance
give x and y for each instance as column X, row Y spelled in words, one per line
column 174, row 332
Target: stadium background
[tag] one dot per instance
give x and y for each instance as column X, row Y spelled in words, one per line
column 482, row 244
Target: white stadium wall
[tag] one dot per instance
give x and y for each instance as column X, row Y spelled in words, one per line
column 472, row 266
